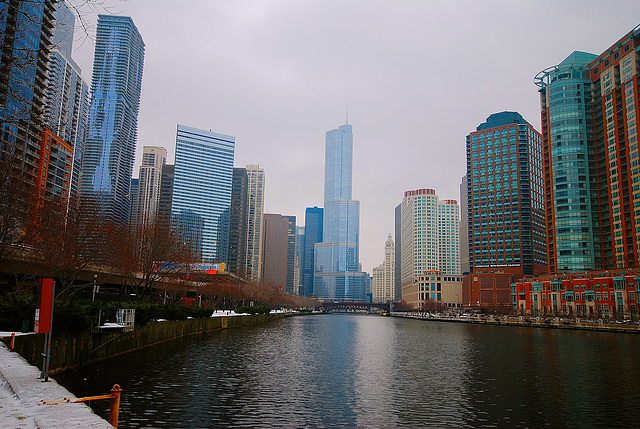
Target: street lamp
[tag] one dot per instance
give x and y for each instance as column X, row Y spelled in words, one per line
column 95, row 287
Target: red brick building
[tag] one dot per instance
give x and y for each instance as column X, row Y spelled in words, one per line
column 595, row 294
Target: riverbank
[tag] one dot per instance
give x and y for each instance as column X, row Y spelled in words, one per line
column 21, row 390
column 69, row 351
column 537, row 322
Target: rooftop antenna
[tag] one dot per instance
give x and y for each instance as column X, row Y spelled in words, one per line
column 347, row 114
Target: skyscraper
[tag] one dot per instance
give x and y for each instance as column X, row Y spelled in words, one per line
column 25, row 36
column 202, row 181
column 113, row 116
column 313, row 219
column 67, row 96
column 254, row 219
column 383, row 283
column 150, row 181
column 337, row 274
column 279, row 251
column 505, row 197
column 238, row 223
column 430, row 244
column 166, row 194
column 590, row 108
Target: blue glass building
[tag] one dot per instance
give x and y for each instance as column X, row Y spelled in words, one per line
column 202, row 183
column 313, row 218
column 25, row 36
column 113, row 116
column 337, row 268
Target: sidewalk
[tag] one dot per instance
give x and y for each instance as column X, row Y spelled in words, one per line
column 21, row 390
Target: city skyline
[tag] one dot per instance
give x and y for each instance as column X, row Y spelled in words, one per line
column 280, row 98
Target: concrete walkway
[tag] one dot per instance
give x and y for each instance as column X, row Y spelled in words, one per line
column 21, row 390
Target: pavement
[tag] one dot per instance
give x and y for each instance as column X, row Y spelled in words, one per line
column 21, row 391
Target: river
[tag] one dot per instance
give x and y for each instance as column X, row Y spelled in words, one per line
column 357, row 371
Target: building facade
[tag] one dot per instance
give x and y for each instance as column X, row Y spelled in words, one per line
column 589, row 107
column 116, row 84
column 166, row 194
column 383, row 282
column 238, row 223
column 594, row 294
column 254, row 221
column 313, row 219
column 505, row 197
column 67, row 96
column 149, row 184
column 53, row 175
column 337, row 267
column 201, row 196
column 279, row 243
column 26, row 38
column 430, row 243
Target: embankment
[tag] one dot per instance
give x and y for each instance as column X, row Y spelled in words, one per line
column 70, row 351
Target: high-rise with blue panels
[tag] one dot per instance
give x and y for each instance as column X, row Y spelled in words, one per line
column 25, row 36
column 337, row 271
column 113, row 116
column 202, row 182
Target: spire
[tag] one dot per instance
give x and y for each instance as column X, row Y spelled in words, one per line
column 347, row 114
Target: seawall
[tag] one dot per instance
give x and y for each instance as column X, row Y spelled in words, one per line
column 70, row 351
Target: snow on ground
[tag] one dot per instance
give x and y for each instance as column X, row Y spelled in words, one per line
column 21, row 390
column 227, row 313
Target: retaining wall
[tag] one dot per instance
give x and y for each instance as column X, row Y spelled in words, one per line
column 70, row 351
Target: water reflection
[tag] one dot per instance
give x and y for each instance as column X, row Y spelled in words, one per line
column 368, row 371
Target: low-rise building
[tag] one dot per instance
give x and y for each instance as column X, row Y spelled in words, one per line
column 602, row 294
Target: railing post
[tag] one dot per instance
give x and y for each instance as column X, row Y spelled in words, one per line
column 114, row 410
column 13, row 340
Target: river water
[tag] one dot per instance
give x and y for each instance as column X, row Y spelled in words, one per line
column 357, row 371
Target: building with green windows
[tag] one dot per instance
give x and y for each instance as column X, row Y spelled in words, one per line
column 589, row 106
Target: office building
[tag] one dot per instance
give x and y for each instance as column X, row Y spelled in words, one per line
column 383, row 282
column 313, row 220
column 398, row 246
column 238, row 223
column 337, row 267
column 166, row 194
column 590, row 108
column 505, row 198
column 279, row 243
column 201, row 199
column 149, row 184
column 113, row 116
column 25, row 35
column 246, row 222
column 255, row 220
column 67, row 96
column 297, row 269
column 430, row 243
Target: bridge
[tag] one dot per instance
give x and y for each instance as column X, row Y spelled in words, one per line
column 352, row 307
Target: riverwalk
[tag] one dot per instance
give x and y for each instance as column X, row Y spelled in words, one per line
column 538, row 322
column 21, row 391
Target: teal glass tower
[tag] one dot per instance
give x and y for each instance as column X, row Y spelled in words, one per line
column 337, row 266
column 116, row 84
column 202, row 183
column 572, row 187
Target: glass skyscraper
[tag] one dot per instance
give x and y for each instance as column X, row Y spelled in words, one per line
column 337, row 272
column 313, row 218
column 113, row 116
column 202, row 182
column 67, row 97
column 25, row 35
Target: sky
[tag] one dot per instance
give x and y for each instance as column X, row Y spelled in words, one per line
column 415, row 76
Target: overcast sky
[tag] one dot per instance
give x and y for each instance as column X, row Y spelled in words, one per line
column 416, row 77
